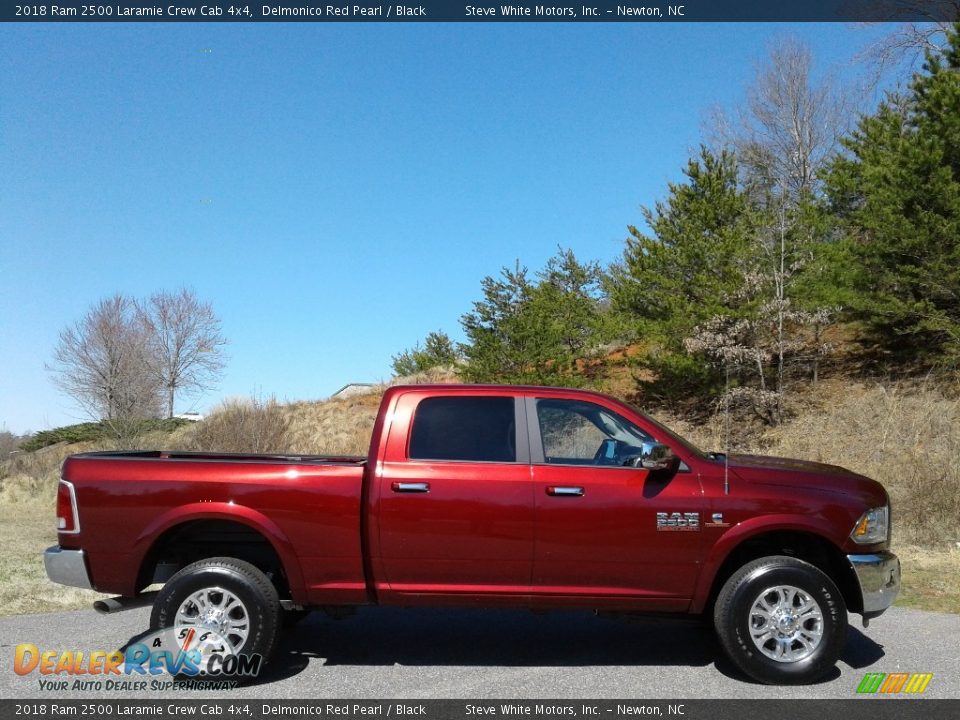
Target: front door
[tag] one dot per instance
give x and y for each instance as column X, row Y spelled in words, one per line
column 605, row 528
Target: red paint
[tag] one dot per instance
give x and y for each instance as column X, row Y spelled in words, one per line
column 350, row 531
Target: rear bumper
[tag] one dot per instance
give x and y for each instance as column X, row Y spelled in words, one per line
column 879, row 578
column 67, row 567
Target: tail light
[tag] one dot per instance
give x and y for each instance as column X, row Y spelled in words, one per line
column 68, row 521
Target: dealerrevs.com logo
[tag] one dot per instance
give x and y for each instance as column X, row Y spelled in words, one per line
column 894, row 683
column 188, row 657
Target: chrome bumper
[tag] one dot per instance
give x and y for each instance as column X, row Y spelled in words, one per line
column 67, row 567
column 879, row 577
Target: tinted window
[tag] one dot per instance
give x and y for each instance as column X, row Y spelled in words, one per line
column 464, row 428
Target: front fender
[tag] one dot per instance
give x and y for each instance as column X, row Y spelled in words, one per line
column 746, row 530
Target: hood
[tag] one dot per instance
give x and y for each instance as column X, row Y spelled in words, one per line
column 768, row 462
column 788, row 472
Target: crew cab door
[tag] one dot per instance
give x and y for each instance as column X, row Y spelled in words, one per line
column 597, row 519
column 455, row 508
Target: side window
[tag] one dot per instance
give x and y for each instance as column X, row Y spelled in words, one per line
column 479, row 429
column 581, row 433
column 568, row 436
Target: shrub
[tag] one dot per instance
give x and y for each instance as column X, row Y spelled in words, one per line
column 244, row 425
column 97, row 431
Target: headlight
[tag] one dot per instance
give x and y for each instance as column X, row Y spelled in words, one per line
column 872, row 527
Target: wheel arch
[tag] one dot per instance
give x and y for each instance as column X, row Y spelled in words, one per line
column 195, row 533
column 800, row 542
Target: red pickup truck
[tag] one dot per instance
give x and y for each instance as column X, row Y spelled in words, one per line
column 489, row 496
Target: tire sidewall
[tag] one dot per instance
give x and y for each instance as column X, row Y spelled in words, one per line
column 821, row 589
column 261, row 609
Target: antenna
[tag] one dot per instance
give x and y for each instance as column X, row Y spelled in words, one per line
column 726, row 431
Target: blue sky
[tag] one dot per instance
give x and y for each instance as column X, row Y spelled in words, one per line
column 335, row 191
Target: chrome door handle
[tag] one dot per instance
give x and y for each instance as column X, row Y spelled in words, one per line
column 409, row 487
column 565, row 491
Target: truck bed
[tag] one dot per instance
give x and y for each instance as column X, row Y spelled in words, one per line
column 272, row 459
column 306, row 506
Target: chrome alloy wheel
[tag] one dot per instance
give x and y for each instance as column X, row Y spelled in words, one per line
column 218, row 610
column 786, row 624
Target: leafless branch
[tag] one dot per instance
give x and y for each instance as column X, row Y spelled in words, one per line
column 184, row 343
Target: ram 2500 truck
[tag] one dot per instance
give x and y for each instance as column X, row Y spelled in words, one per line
column 489, row 496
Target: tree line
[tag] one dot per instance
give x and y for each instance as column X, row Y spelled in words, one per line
column 797, row 216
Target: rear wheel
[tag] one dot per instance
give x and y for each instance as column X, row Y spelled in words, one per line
column 227, row 599
column 781, row 620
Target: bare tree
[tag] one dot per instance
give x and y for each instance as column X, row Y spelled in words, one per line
column 783, row 136
column 184, row 343
column 9, row 442
column 789, row 125
column 101, row 362
column 904, row 49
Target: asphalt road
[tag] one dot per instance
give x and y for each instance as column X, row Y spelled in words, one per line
column 506, row 654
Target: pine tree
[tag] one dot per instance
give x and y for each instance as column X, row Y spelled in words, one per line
column 689, row 270
column 898, row 194
column 536, row 330
column 438, row 351
column 692, row 264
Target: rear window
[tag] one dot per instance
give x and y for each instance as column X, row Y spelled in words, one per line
column 479, row 429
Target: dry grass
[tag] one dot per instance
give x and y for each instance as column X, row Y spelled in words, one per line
column 32, row 477
column 908, row 439
column 244, row 425
column 335, row 427
column 26, row 529
column 343, row 427
column 931, row 578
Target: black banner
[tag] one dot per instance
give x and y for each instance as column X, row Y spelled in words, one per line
column 874, row 708
column 240, row 11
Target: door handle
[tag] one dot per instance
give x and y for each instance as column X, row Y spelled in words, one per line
column 410, row 487
column 565, row 491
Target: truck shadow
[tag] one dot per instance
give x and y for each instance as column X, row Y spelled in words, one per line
column 474, row 637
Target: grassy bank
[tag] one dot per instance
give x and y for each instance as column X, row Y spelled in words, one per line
column 26, row 529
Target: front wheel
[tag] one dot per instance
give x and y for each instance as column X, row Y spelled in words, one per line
column 781, row 620
column 221, row 607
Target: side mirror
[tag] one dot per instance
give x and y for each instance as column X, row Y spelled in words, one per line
column 656, row 458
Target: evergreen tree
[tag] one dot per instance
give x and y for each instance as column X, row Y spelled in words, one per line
column 500, row 334
column 536, row 331
column 438, row 351
column 692, row 264
column 898, row 194
column 689, row 270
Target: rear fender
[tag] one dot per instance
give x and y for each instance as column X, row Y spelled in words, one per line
column 235, row 513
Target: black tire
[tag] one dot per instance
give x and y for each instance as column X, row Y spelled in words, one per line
column 257, row 613
column 807, row 640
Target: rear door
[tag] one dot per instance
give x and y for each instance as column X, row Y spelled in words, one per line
column 599, row 530
column 456, row 498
